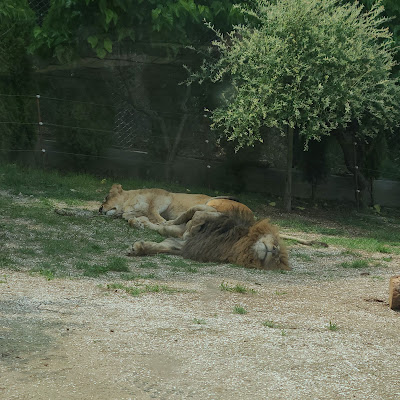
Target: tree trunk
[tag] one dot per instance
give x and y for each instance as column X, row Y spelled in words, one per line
column 350, row 159
column 287, row 197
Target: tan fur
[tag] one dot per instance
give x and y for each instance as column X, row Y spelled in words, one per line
column 157, row 205
column 226, row 205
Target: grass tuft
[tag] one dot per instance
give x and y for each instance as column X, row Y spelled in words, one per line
column 358, row 264
column 269, row 324
column 332, row 326
column 237, row 288
column 139, row 289
column 239, row 310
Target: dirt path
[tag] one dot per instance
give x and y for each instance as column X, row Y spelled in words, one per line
column 73, row 339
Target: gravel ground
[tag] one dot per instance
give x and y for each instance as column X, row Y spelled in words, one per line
column 74, row 339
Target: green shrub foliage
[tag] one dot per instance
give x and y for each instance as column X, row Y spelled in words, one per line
column 16, row 22
column 311, row 65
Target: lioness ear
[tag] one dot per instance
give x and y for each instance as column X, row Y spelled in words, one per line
column 116, row 188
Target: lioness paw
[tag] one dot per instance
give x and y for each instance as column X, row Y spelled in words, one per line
column 136, row 223
column 137, row 249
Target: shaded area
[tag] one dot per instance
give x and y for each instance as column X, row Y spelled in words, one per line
column 24, row 331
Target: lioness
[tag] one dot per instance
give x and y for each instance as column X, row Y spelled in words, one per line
column 157, row 205
column 230, row 236
column 183, row 225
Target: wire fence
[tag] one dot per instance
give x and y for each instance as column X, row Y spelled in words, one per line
column 40, row 8
column 123, row 128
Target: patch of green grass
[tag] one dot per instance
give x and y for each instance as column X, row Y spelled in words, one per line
column 91, row 270
column 48, row 270
column 48, row 274
column 387, row 259
column 148, row 264
column 270, row 324
column 6, row 261
column 280, row 292
column 237, row 288
column 131, row 290
column 137, row 290
column 132, row 276
column 332, row 326
column 359, row 264
column 351, row 253
column 239, row 310
column 95, row 248
column 30, row 181
column 182, row 265
column 55, row 247
column 28, row 251
column 117, row 264
column 279, row 271
column 199, row 321
column 381, row 248
column 302, row 256
column 360, row 243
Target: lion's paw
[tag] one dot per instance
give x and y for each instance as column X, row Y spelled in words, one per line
column 136, row 223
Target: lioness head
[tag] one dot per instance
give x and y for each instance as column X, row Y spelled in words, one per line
column 112, row 204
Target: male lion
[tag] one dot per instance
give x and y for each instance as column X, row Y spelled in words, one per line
column 157, row 205
column 230, row 236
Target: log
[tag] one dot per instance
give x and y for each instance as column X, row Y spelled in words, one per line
column 394, row 292
column 305, row 242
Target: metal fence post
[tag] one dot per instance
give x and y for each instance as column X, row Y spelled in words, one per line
column 40, row 124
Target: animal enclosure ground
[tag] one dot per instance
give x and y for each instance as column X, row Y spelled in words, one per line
column 79, row 320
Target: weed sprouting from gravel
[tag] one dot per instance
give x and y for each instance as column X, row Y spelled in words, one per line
column 332, row 326
column 269, row 324
column 358, row 264
column 139, row 289
column 237, row 288
column 239, row 310
column 148, row 264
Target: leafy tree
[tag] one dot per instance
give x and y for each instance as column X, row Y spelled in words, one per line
column 16, row 23
column 306, row 67
column 70, row 26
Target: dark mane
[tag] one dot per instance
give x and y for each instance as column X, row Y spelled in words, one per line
column 216, row 237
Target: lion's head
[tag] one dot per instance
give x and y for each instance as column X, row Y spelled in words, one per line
column 265, row 249
column 112, row 204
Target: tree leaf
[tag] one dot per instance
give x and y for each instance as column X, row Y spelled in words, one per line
column 37, row 30
column 93, row 40
column 101, row 53
column 109, row 15
column 155, row 14
column 108, row 45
